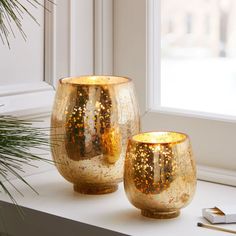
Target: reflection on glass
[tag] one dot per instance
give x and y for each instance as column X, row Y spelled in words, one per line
column 198, row 45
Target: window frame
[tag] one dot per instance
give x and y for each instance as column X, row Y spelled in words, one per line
column 154, row 68
column 135, row 55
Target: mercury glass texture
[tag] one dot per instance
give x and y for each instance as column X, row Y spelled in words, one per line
column 93, row 117
column 160, row 173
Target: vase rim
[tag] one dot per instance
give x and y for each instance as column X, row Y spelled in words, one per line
column 154, row 137
column 91, row 80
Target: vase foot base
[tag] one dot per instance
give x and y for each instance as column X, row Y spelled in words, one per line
column 159, row 214
column 95, row 189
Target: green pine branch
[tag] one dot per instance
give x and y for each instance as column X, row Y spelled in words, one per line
column 11, row 13
column 18, row 139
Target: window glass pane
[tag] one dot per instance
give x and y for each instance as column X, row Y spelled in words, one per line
column 198, row 55
column 24, row 62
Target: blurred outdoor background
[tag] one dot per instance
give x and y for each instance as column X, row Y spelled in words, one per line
column 198, row 52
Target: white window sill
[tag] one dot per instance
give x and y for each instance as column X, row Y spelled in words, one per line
column 33, row 99
column 113, row 211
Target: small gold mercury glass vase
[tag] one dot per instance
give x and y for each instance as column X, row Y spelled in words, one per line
column 160, row 173
column 92, row 119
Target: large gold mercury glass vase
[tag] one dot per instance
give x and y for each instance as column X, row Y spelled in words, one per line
column 92, row 119
column 160, row 173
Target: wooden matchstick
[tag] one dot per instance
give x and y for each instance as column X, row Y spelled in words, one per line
column 216, row 228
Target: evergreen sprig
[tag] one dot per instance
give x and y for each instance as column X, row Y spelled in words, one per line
column 18, row 139
column 11, row 12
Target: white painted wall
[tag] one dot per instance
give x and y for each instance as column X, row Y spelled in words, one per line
column 24, row 61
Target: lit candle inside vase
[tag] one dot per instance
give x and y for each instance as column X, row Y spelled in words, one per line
column 160, row 173
column 93, row 117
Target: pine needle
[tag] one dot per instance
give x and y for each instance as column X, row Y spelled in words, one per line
column 11, row 13
column 17, row 140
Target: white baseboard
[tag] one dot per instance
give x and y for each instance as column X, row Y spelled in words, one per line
column 216, row 175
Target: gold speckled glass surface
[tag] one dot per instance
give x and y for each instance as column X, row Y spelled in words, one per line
column 92, row 118
column 160, row 173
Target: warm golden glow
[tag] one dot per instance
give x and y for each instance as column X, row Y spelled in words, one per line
column 93, row 121
column 160, row 137
column 160, row 173
column 95, row 80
